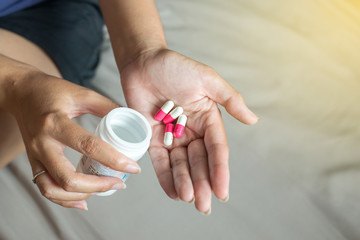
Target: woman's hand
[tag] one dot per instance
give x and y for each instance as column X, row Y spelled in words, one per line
column 43, row 107
column 197, row 163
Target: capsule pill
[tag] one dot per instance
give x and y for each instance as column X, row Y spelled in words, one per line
column 180, row 126
column 165, row 109
column 173, row 115
column 168, row 137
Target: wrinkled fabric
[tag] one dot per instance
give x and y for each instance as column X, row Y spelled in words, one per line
column 294, row 175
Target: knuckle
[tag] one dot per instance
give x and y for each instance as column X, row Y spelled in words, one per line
column 164, row 177
column 224, row 148
column 105, row 188
column 181, row 177
column 68, row 184
column 89, row 145
column 218, row 148
column 33, row 144
column 47, row 192
column 197, row 161
column 177, row 157
column 48, row 122
column 176, row 162
column 202, row 181
column 116, row 161
column 217, row 167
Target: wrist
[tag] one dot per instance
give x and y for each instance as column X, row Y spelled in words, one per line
column 134, row 51
column 140, row 55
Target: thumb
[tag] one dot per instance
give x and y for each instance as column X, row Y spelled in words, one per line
column 221, row 92
column 97, row 104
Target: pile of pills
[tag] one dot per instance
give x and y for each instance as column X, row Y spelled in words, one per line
column 168, row 117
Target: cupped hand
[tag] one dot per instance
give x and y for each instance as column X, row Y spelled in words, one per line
column 43, row 107
column 197, row 163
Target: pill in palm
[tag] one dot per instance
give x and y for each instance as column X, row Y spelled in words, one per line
column 180, row 126
column 165, row 109
column 168, row 137
column 173, row 115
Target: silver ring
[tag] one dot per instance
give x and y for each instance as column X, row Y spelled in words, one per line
column 37, row 175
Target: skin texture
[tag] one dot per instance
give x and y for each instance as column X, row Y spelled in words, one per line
column 16, row 47
column 46, row 127
column 197, row 163
column 43, row 105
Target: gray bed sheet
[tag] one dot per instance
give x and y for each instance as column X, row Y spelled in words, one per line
column 295, row 175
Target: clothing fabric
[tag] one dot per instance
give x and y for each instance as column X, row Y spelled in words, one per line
column 10, row 6
column 70, row 31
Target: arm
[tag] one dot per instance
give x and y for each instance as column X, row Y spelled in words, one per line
column 43, row 106
column 196, row 164
column 134, row 27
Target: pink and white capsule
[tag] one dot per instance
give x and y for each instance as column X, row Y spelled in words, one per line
column 173, row 115
column 168, row 138
column 165, row 109
column 180, row 126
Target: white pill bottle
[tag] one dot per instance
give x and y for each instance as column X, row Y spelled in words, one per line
column 127, row 131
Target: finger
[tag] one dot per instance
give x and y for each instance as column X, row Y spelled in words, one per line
column 76, row 137
column 218, row 153
column 95, row 103
column 52, row 191
column 49, row 188
column 63, row 172
column 181, row 174
column 161, row 162
column 221, row 92
column 82, row 205
column 200, row 175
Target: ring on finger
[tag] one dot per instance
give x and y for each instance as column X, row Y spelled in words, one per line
column 37, row 175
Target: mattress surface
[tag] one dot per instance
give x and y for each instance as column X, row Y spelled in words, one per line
column 294, row 175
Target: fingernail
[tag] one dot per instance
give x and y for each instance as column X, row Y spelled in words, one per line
column 81, row 206
column 132, row 169
column 118, row 186
column 225, row 199
column 177, row 199
column 253, row 115
column 192, row 201
column 206, row 213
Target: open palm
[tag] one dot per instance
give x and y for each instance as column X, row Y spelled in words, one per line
column 197, row 163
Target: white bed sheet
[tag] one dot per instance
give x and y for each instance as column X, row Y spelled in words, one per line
column 294, row 175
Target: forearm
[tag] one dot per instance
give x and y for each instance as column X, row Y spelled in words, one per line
column 134, row 27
